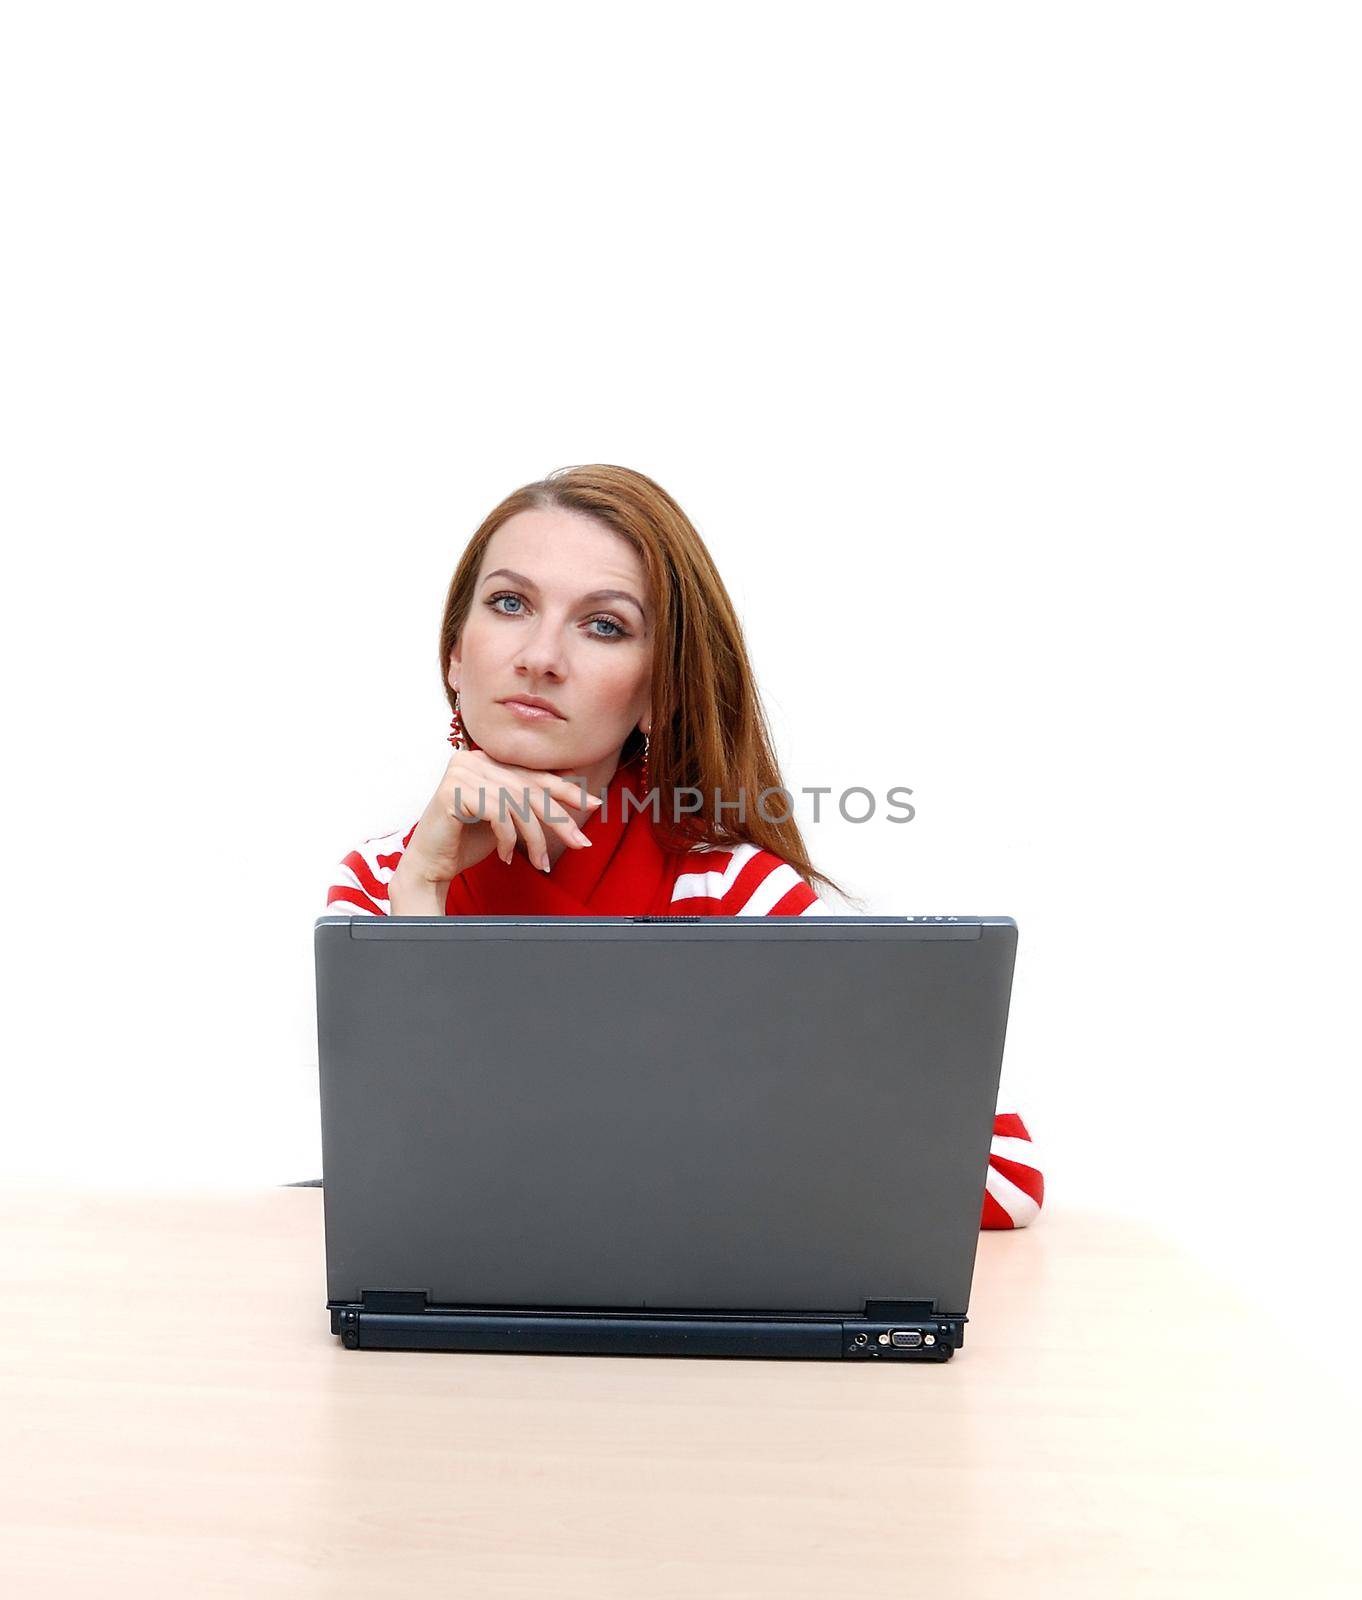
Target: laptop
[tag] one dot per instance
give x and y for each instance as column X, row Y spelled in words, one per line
column 674, row 1136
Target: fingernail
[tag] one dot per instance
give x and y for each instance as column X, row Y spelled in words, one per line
column 582, row 839
column 543, row 863
column 593, row 800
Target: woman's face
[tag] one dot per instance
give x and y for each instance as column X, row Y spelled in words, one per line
column 541, row 626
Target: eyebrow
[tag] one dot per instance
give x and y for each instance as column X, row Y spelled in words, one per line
column 596, row 594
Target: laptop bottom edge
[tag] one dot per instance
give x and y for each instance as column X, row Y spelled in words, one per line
column 813, row 1337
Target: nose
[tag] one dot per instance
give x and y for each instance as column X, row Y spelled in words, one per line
column 541, row 654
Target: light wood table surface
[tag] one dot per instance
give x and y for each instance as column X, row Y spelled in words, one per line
column 179, row 1420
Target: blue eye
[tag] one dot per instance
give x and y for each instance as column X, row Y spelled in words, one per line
column 619, row 630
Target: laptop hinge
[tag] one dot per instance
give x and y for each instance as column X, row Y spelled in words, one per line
column 899, row 1310
column 403, row 1302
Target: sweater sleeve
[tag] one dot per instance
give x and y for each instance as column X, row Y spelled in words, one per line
column 1014, row 1187
column 740, row 880
column 359, row 883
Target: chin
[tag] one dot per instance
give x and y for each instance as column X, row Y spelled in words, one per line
column 525, row 748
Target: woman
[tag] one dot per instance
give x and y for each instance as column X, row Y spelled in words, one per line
column 611, row 757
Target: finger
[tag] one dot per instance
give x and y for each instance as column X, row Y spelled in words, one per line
column 568, row 790
column 562, row 824
column 509, row 826
column 504, row 832
column 551, row 810
column 468, row 804
column 527, row 823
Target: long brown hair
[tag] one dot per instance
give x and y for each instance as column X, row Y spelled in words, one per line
column 709, row 729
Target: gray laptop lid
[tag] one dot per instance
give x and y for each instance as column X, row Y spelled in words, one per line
column 725, row 1113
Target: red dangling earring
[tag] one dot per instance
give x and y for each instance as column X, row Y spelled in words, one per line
column 458, row 736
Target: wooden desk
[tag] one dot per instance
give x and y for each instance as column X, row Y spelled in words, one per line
column 179, row 1420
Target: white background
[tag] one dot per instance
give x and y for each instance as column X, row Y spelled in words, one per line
column 1007, row 359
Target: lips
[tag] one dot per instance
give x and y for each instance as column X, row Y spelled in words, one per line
column 532, row 709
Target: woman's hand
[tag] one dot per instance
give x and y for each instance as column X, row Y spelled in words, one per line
column 451, row 837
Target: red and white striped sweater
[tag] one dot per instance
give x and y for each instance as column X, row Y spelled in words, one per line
column 739, row 880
